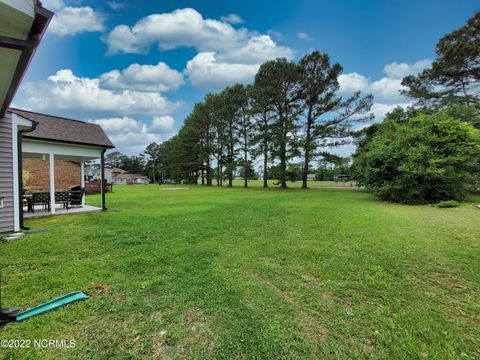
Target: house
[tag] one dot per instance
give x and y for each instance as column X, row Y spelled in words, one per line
column 128, row 179
column 310, row 177
column 113, row 175
column 93, row 172
column 342, row 178
column 48, row 145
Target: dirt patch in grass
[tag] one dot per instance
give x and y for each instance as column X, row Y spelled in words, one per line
column 193, row 332
column 97, row 289
column 368, row 346
column 160, row 348
column 199, row 325
column 158, row 316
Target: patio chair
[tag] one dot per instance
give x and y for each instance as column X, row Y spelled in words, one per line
column 61, row 197
column 75, row 195
column 41, row 198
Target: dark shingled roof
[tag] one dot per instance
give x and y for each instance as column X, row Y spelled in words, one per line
column 60, row 129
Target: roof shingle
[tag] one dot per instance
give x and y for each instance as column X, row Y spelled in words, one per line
column 56, row 128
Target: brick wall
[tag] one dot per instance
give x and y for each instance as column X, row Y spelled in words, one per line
column 67, row 173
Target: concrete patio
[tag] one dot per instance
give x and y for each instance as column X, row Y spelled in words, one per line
column 40, row 211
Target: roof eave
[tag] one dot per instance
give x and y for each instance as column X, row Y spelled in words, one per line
column 28, row 48
column 68, row 142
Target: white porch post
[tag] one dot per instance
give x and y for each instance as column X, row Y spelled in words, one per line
column 52, row 183
column 82, row 180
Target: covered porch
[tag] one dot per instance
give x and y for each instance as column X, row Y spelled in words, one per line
column 54, row 196
column 49, row 140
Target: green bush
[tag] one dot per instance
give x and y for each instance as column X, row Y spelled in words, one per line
column 448, row 204
column 425, row 159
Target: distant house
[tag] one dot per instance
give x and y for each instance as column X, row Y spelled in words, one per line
column 125, row 178
column 310, row 177
column 92, row 172
column 342, row 177
column 113, row 175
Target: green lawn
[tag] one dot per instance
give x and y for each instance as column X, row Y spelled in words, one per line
column 235, row 273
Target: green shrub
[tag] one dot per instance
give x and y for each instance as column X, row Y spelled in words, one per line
column 448, row 204
column 425, row 159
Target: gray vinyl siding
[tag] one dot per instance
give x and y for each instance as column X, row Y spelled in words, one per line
column 6, row 174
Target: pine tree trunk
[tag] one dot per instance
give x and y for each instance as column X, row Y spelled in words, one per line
column 265, row 166
column 308, row 144
column 245, row 163
column 283, row 156
column 283, row 168
column 231, row 154
column 209, row 172
column 220, row 171
column 203, row 177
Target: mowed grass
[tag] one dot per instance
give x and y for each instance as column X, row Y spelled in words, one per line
column 250, row 273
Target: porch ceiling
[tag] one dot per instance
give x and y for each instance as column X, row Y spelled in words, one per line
column 16, row 19
column 36, row 149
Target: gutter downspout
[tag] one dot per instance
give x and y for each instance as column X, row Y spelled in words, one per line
column 28, row 45
column 102, row 178
column 20, row 175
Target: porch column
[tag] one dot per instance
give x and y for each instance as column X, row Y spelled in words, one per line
column 52, row 183
column 82, row 180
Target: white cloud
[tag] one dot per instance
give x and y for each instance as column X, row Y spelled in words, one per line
column 352, row 82
column 215, row 70
column 205, row 71
column 118, row 125
column 182, row 27
column 232, row 19
column 115, row 5
column 225, row 55
column 380, row 110
column 158, row 77
column 131, row 136
column 386, row 89
column 257, row 50
column 304, row 36
column 163, row 124
column 72, row 20
column 399, row 71
column 53, row 5
column 64, row 92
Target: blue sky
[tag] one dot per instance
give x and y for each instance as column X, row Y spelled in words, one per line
column 137, row 67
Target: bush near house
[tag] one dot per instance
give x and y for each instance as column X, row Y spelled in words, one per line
column 25, row 180
column 424, row 159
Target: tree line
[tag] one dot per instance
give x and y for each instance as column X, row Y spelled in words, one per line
column 291, row 111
